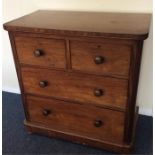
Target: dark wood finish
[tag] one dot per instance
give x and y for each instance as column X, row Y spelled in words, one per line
column 78, row 74
column 123, row 149
column 11, row 37
column 69, row 23
column 51, row 51
column 132, row 90
column 77, row 119
column 110, row 58
column 33, row 128
column 76, row 87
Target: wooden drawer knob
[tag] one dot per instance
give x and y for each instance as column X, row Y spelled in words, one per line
column 46, row 112
column 98, row 92
column 99, row 60
column 43, row 84
column 98, row 123
column 38, row 53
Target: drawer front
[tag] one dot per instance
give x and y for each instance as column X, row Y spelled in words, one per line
column 100, row 58
column 41, row 51
column 87, row 121
column 76, row 87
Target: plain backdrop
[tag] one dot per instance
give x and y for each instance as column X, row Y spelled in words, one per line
column 16, row 8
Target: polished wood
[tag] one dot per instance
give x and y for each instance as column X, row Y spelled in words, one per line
column 35, row 128
column 78, row 74
column 112, row 24
column 76, row 87
column 17, row 66
column 51, row 51
column 114, row 58
column 64, row 117
column 132, row 90
column 123, row 149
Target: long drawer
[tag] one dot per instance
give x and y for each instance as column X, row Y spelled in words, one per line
column 85, row 121
column 75, row 87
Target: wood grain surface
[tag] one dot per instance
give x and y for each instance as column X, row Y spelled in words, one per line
column 116, row 57
column 78, row 73
column 77, row 119
column 53, row 51
column 134, row 25
column 76, row 87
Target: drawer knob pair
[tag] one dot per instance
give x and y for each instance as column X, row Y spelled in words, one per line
column 43, row 84
column 98, row 123
column 38, row 53
column 99, row 60
column 98, row 92
column 46, row 112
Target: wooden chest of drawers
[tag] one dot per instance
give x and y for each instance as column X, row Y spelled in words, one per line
column 78, row 74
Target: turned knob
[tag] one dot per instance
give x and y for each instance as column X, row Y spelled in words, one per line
column 46, row 112
column 43, row 84
column 98, row 92
column 38, row 53
column 99, row 60
column 98, row 123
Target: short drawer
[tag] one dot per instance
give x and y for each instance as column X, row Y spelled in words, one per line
column 85, row 121
column 83, row 88
column 41, row 51
column 100, row 58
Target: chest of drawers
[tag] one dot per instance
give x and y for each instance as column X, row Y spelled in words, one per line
column 78, row 74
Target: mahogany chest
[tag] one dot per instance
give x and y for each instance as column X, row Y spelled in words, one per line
column 78, row 74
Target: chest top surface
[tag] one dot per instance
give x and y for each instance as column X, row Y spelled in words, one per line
column 128, row 25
